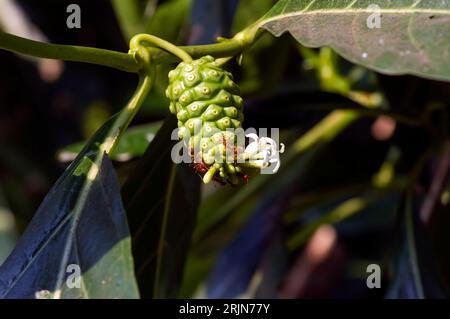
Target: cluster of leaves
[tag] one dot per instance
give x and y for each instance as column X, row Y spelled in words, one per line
column 367, row 153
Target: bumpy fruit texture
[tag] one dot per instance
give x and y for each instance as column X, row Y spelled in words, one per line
column 206, row 102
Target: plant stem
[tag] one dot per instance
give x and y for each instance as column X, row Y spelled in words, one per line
column 137, row 40
column 127, row 114
column 407, row 120
column 341, row 212
column 123, row 61
column 224, row 49
column 326, row 130
column 113, row 59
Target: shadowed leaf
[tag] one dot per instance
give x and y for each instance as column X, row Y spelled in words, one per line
column 237, row 263
column 417, row 275
column 161, row 200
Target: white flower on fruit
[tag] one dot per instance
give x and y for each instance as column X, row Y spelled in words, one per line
column 263, row 152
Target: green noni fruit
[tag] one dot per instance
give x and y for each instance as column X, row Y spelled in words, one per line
column 208, row 107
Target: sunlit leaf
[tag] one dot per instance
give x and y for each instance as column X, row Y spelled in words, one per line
column 392, row 37
column 132, row 144
column 80, row 225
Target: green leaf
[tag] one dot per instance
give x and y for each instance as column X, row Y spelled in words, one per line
column 417, row 274
column 175, row 11
column 129, row 15
column 81, row 222
column 132, row 144
column 412, row 35
column 161, row 201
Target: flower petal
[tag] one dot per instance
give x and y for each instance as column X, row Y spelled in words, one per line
column 253, row 137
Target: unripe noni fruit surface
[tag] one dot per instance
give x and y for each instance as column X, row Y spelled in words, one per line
column 206, row 101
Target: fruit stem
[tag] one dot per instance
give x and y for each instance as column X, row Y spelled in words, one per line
column 127, row 62
column 137, row 40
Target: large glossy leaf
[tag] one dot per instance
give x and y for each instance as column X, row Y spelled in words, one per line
column 81, row 222
column 412, row 36
column 161, row 201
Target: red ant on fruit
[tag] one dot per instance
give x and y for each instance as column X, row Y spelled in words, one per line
column 201, row 169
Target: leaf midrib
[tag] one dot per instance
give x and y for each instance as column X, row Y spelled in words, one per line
column 166, row 212
column 405, row 10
